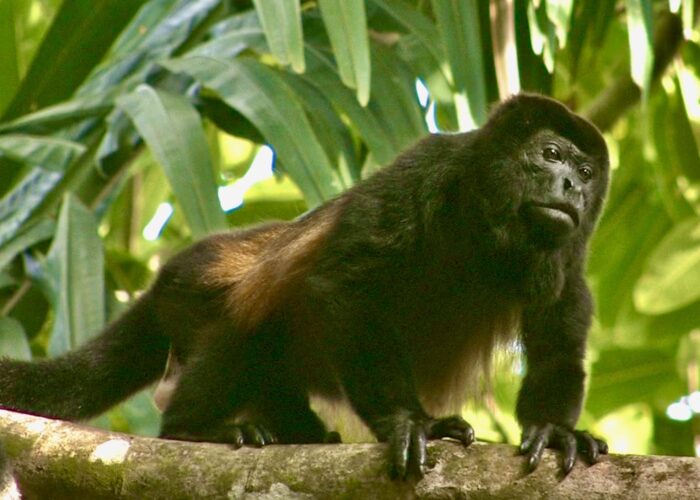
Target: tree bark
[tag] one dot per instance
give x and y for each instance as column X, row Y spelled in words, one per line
column 54, row 459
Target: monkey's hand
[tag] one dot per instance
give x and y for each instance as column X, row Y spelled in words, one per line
column 408, row 435
column 537, row 437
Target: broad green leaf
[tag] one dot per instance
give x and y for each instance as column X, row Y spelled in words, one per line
column 173, row 131
column 624, row 376
column 73, row 274
column 672, row 274
column 543, row 37
column 9, row 70
column 461, row 35
column 641, row 42
column 332, row 133
column 259, row 94
column 688, row 16
column 17, row 205
column 346, row 24
column 559, row 13
column 13, row 341
column 281, row 21
column 79, row 36
column 156, row 31
column 27, row 237
column 617, row 267
column 322, row 74
column 396, row 104
column 46, row 152
column 416, row 23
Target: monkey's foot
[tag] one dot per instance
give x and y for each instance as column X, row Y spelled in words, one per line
column 237, row 435
column 408, row 437
column 537, row 437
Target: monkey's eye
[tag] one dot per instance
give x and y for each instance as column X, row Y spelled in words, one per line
column 551, row 153
column 586, row 173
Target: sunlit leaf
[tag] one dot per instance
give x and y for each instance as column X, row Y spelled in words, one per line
column 641, row 36
column 346, row 24
column 13, row 341
column 173, row 131
column 46, row 152
column 461, row 35
column 281, row 22
column 260, row 95
column 673, row 271
column 559, row 12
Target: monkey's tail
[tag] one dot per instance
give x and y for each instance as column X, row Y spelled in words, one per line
column 130, row 353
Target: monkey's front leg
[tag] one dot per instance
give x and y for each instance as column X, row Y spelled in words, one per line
column 551, row 396
column 378, row 382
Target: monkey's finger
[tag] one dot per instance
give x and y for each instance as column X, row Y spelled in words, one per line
column 237, row 438
column 399, row 446
column 253, row 436
column 567, row 444
column 536, row 450
column 528, row 436
column 452, row 427
column 588, row 446
column 268, row 436
column 602, row 446
column 417, row 455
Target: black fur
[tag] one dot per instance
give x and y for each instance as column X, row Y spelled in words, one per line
column 390, row 296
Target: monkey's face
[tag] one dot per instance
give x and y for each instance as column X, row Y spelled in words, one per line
column 562, row 188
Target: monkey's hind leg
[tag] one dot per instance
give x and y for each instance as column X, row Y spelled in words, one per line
column 238, row 391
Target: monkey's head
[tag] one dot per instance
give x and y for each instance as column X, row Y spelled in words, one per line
column 560, row 162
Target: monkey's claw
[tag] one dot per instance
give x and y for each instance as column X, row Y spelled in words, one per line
column 408, row 439
column 537, row 437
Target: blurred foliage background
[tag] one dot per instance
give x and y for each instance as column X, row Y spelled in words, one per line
column 130, row 128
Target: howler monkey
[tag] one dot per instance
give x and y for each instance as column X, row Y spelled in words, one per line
column 389, row 296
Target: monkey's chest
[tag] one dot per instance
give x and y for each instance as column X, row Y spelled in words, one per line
column 451, row 341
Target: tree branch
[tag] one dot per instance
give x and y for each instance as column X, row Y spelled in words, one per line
column 612, row 103
column 54, row 459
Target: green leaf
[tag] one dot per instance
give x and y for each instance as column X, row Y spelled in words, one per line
column 281, row 21
column 346, row 24
column 73, row 275
column 559, row 13
column 640, row 31
column 79, row 36
column 173, row 131
column 461, row 36
column 328, row 126
column 259, row 94
column 625, row 376
column 58, row 116
column 9, row 70
column 13, row 341
column 416, row 23
column 46, row 152
column 673, row 271
column 396, row 104
column 27, row 237
column 20, row 203
column 322, row 74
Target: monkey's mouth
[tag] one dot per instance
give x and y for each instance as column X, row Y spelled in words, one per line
column 563, row 213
